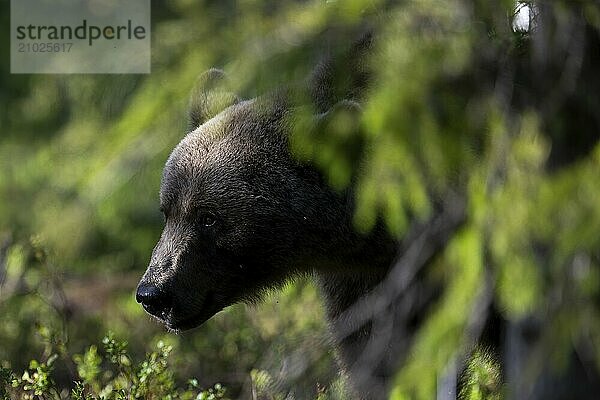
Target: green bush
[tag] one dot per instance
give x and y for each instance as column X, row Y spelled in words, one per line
column 110, row 374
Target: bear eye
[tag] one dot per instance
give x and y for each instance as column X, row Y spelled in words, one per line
column 208, row 219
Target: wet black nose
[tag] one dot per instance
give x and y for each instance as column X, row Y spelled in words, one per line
column 154, row 300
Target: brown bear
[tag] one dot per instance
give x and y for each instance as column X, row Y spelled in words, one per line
column 243, row 215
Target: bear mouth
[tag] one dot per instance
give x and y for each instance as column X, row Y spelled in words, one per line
column 206, row 311
column 178, row 325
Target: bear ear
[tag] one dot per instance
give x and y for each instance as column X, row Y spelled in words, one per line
column 209, row 97
column 344, row 75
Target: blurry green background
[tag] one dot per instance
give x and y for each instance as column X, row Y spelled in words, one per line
column 462, row 103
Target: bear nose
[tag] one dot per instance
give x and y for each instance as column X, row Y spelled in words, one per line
column 152, row 299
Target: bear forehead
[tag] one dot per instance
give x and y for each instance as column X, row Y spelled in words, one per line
column 196, row 148
column 190, row 179
column 204, row 159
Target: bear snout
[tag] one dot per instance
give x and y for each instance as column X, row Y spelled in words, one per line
column 155, row 301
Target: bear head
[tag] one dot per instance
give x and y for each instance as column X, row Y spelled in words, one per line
column 241, row 215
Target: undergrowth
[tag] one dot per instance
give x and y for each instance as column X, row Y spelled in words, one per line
column 108, row 373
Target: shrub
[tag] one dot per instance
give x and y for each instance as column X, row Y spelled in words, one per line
column 108, row 375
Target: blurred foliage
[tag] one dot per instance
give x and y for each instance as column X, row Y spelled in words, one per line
column 118, row 378
column 460, row 103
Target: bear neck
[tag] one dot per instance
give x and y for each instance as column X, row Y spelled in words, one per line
column 335, row 247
